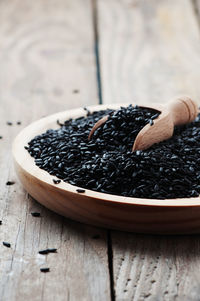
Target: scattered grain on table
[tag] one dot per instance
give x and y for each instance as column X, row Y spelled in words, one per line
column 45, row 270
column 36, row 214
column 6, row 244
column 9, row 183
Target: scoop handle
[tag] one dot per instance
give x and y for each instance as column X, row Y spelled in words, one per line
column 183, row 110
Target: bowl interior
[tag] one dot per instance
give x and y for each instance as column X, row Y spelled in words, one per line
column 26, row 162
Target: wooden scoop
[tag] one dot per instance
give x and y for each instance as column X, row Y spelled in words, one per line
column 180, row 111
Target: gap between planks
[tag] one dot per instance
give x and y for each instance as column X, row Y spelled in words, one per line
column 96, row 49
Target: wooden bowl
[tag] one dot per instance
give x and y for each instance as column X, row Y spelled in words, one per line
column 170, row 216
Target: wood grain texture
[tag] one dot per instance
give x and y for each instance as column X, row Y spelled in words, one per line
column 46, row 52
column 156, row 267
column 150, row 51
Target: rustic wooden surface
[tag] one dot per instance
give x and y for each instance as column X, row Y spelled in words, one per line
column 45, row 56
column 150, row 51
column 50, row 52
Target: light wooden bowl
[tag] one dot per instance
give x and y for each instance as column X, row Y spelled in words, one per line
column 170, row 216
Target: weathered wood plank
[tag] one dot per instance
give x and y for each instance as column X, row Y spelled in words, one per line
column 46, row 54
column 150, row 51
column 155, row 267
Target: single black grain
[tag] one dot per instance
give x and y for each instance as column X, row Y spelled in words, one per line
column 47, row 251
column 9, row 123
column 1, row 137
column 6, row 244
column 80, row 190
column 59, row 123
column 56, row 181
column 36, row 214
column 45, row 270
column 87, row 111
column 106, row 163
column 19, row 123
column 151, row 122
column 9, row 183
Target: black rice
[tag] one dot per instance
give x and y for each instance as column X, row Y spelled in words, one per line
column 80, row 190
column 6, row 244
column 9, row 183
column 47, row 251
column 56, row 181
column 35, row 214
column 9, row 123
column 106, row 163
column 151, row 122
column 45, row 270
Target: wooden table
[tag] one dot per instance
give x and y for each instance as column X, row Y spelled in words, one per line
column 61, row 54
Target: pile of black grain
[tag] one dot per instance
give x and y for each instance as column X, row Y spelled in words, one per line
column 106, row 164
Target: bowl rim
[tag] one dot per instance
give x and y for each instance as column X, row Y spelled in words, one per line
column 40, row 126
